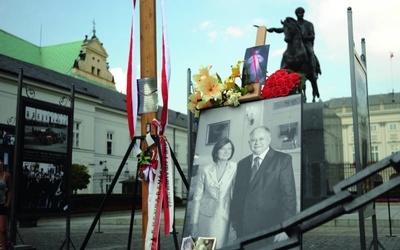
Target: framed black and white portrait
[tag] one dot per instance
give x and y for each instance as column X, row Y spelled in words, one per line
column 234, row 136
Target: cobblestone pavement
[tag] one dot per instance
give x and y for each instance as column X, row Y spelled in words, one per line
column 51, row 234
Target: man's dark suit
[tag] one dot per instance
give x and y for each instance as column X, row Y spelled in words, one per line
column 269, row 199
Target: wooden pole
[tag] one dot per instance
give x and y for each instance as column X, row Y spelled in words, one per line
column 148, row 68
column 261, row 35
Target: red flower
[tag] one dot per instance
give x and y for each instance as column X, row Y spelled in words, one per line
column 282, row 83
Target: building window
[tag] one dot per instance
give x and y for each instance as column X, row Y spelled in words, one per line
column 109, row 143
column 375, row 154
column 98, row 72
column 92, row 70
column 373, row 127
column 394, row 149
column 76, row 133
column 393, row 126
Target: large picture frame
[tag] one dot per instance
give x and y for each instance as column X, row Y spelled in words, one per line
column 203, row 206
column 45, row 158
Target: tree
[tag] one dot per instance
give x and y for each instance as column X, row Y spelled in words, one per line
column 80, row 177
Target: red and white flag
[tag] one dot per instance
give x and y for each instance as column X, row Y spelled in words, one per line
column 131, row 85
column 165, row 71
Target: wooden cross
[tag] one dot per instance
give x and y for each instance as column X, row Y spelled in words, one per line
column 255, row 89
column 261, row 35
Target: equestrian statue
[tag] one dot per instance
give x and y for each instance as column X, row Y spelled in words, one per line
column 299, row 55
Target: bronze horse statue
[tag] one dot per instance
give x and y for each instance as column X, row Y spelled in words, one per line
column 296, row 58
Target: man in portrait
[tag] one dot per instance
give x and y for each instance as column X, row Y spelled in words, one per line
column 264, row 193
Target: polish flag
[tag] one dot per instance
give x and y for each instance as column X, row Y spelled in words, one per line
column 131, row 85
column 165, row 71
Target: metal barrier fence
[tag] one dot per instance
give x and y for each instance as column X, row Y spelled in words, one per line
column 320, row 178
column 376, row 180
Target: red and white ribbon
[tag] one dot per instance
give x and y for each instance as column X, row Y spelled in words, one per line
column 165, row 71
column 149, row 174
column 131, row 86
column 162, row 195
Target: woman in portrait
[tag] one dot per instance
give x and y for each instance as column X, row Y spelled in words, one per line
column 213, row 193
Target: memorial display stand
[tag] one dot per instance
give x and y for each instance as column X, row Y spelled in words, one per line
column 61, row 157
column 135, row 191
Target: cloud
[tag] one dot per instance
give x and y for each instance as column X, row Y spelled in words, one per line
column 377, row 23
column 259, row 22
column 234, row 31
column 212, row 35
column 277, row 52
column 204, row 25
column 119, row 79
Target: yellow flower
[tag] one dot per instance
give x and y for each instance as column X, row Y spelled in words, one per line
column 203, row 72
column 204, row 104
column 210, row 88
column 236, row 69
column 230, row 80
column 194, row 99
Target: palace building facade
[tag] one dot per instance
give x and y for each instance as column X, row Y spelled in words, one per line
column 100, row 130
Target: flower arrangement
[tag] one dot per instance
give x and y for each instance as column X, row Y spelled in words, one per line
column 147, row 162
column 283, row 83
column 210, row 91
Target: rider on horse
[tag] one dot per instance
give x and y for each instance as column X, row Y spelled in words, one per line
column 308, row 35
column 311, row 68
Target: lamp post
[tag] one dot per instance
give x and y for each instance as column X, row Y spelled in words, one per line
column 101, row 186
column 126, row 174
column 105, row 174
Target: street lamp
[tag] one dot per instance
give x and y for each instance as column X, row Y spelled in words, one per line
column 105, row 173
column 105, row 169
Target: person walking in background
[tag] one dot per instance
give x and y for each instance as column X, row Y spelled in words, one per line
column 5, row 199
column 213, row 194
column 264, row 192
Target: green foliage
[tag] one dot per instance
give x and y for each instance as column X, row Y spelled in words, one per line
column 80, row 177
column 144, row 157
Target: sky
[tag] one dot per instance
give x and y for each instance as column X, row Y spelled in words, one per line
column 217, row 33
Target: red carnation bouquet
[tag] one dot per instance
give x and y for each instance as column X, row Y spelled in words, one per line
column 283, row 83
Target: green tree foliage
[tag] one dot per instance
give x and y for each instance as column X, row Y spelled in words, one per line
column 80, row 177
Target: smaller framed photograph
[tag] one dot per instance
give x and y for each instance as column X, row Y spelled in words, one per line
column 216, row 132
column 255, row 65
column 187, row 243
column 288, row 130
column 206, row 243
